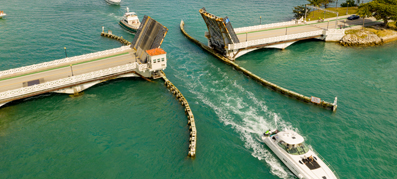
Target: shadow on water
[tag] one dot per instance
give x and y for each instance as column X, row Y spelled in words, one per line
column 264, row 52
column 54, row 95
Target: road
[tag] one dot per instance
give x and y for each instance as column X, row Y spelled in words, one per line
column 310, row 26
column 66, row 70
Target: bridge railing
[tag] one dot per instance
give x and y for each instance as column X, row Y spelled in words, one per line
column 336, row 31
column 64, row 82
column 62, row 61
column 265, row 26
column 273, row 39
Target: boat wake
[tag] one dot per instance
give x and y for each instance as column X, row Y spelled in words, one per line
column 115, row 16
column 237, row 107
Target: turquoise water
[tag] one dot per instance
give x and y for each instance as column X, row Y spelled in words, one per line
column 130, row 128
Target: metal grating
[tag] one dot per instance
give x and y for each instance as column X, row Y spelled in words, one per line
column 149, row 35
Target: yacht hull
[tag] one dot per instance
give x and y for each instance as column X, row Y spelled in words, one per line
column 128, row 27
column 113, row 2
column 295, row 164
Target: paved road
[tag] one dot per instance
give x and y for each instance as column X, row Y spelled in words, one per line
column 66, row 70
column 311, row 26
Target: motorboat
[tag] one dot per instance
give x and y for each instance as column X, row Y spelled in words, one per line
column 2, row 14
column 290, row 148
column 130, row 21
column 113, row 2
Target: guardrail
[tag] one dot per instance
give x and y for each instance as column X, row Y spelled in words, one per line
column 335, row 31
column 63, row 61
column 273, row 39
column 65, row 82
column 264, row 26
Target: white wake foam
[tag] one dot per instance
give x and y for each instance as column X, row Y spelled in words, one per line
column 249, row 117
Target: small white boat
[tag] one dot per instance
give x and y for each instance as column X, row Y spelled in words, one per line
column 289, row 146
column 2, row 14
column 130, row 21
column 113, row 2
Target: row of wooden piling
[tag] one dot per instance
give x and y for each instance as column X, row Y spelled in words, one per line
column 190, row 118
column 272, row 86
column 120, row 39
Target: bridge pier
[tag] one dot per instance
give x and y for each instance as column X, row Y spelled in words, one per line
column 234, row 54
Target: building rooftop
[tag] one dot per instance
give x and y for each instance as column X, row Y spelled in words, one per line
column 155, row 51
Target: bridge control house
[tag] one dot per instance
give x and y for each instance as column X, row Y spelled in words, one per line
column 157, row 59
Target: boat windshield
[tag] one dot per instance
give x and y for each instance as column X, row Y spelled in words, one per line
column 298, row 149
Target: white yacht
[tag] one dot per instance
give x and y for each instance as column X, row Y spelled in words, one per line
column 2, row 14
column 130, row 21
column 113, row 2
column 289, row 146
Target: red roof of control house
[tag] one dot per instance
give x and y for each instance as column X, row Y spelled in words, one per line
column 155, row 51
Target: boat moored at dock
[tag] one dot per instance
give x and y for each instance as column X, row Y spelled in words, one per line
column 290, row 148
column 2, row 14
column 130, row 21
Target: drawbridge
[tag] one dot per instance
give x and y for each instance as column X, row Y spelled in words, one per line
column 235, row 42
column 71, row 75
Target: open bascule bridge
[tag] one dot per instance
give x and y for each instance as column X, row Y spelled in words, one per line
column 227, row 44
column 144, row 58
column 233, row 43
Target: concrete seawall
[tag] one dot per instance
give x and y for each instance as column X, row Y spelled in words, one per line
column 272, row 86
column 191, row 123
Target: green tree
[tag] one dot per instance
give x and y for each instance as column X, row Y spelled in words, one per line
column 316, row 3
column 326, row 2
column 363, row 11
column 299, row 11
column 349, row 3
column 381, row 10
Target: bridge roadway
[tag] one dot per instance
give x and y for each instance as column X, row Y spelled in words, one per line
column 65, row 70
column 298, row 28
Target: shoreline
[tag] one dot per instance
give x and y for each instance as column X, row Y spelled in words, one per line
column 370, row 36
column 390, row 38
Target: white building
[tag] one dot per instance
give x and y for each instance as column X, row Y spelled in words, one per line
column 157, row 59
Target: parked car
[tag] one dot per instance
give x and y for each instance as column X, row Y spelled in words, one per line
column 352, row 17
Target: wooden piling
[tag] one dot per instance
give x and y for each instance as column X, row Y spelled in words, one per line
column 191, row 123
column 120, row 39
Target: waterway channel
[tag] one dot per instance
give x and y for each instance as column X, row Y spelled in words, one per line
column 131, row 128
